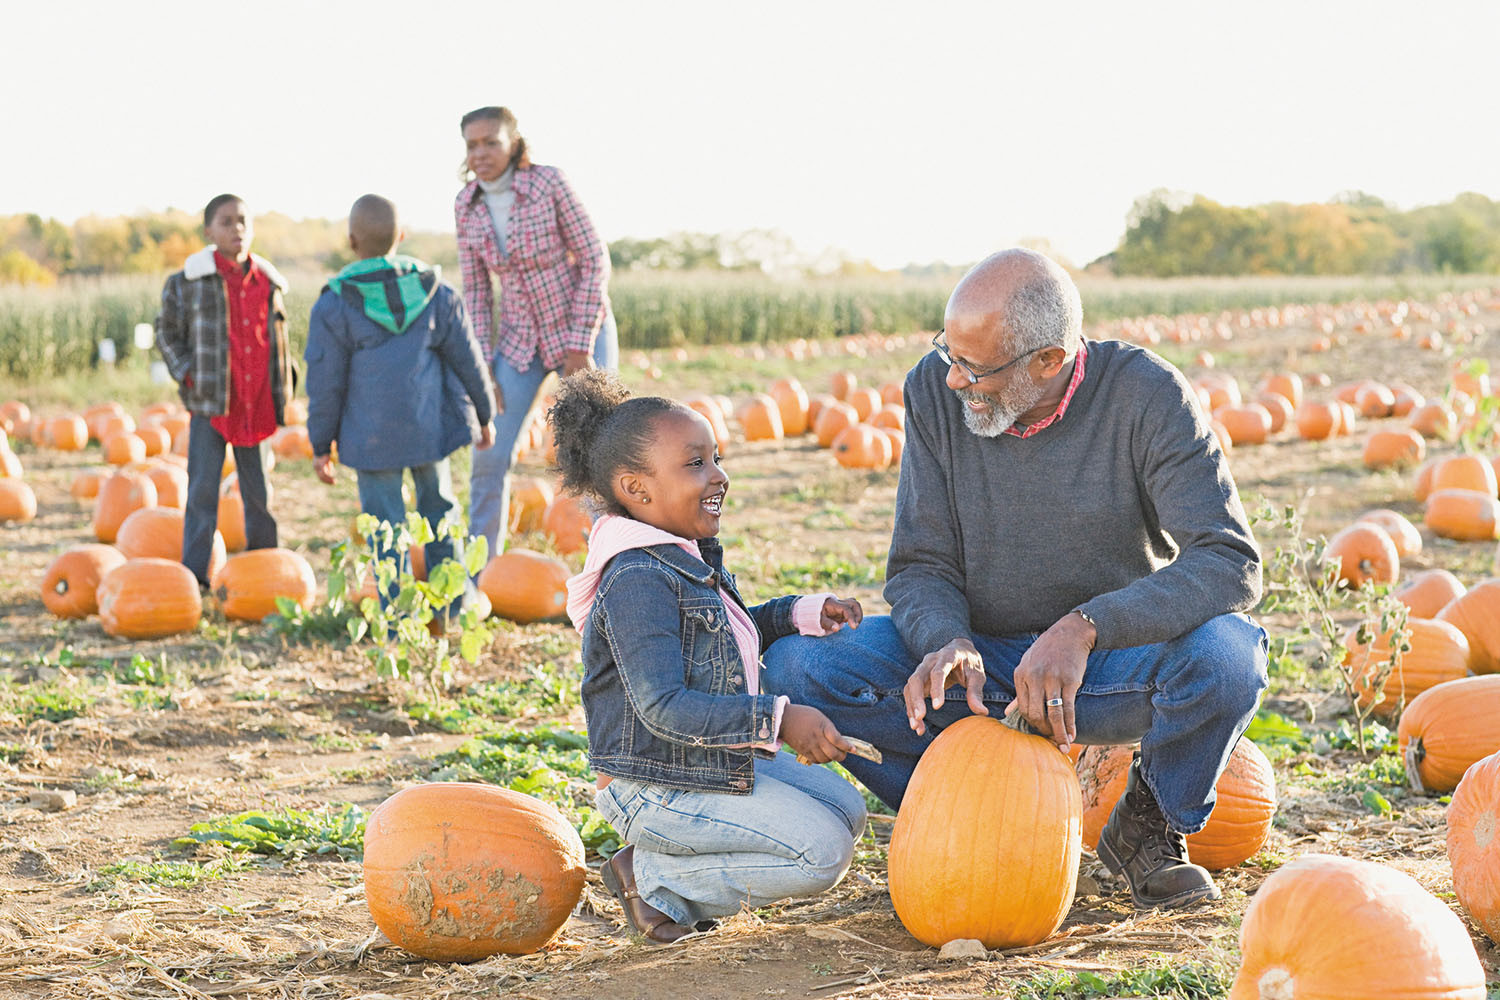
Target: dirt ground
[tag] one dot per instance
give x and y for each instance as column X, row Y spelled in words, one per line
column 250, row 721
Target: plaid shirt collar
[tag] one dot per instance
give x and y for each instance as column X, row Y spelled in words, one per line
column 1062, row 406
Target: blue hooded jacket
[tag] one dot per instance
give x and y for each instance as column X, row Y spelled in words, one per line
column 394, row 372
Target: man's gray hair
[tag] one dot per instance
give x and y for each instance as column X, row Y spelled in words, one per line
column 1045, row 311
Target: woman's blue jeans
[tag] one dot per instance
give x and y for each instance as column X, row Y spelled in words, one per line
column 1186, row 700
column 489, row 482
column 702, row 855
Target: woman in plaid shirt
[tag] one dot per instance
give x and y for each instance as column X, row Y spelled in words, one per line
column 522, row 224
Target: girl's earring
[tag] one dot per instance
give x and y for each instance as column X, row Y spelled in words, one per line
column 645, row 499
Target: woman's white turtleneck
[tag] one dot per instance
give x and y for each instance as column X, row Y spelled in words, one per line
column 498, row 198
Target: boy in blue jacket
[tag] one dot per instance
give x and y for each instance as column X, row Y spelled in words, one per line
column 395, row 376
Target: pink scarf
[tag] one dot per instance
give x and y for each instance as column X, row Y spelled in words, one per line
column 612, row 535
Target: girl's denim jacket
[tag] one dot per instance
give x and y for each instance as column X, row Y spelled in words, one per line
column 664, row 684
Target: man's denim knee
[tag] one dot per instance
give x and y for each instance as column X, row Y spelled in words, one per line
column 1230, row 652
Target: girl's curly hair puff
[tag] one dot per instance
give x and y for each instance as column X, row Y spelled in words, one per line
column 600, row 429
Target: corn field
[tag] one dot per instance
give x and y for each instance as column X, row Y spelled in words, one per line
column 57, row 331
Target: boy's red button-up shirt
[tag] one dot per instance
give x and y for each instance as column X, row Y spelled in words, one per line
column 252, row 413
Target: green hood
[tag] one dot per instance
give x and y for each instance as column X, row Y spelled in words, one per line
column 392, row 291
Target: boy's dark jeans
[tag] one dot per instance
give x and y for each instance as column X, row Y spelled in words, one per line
column 201, row 519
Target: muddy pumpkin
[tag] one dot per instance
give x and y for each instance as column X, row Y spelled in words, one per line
column 70, row 588
column 457, row 872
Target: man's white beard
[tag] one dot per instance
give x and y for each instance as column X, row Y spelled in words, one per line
column 1006, row 406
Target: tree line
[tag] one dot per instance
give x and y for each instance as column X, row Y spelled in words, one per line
column 1169, row 235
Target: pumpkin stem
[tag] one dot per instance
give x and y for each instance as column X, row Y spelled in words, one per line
column 60, row 588
column 1018, row 722
column 1415, row 754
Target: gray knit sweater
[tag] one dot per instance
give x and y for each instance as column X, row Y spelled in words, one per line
column 1124, row 508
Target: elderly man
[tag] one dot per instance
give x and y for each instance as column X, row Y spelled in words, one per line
column 1068, row 545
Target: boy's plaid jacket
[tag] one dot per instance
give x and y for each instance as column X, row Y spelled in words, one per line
column 552, row 275
column 192, row 333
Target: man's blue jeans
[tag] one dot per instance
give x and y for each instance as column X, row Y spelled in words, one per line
column 1186, row 700
column 701, row 855
column 489, row 482
column 380, row 496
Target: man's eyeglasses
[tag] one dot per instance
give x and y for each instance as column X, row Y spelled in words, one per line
column 971, row 374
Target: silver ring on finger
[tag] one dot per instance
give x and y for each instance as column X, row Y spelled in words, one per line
column 1054, row 702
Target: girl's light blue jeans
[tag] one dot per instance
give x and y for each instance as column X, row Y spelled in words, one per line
column 489, row 482
column 702, row 855
column 1186, row 700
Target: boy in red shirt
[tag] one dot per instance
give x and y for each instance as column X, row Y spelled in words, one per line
column 222, row 333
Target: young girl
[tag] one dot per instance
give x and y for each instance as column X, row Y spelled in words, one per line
column 683, row 739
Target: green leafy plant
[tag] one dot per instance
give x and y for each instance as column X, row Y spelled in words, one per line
column 1186, row 982
column 53, row 701
column 1300, row 581
column 167, row 874
column 289, row 833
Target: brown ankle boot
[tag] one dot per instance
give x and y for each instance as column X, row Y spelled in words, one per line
column 1138, row 843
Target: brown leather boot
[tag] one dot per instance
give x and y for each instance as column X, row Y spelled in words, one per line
column 1138, row 843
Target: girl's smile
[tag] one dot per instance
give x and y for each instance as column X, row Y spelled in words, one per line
column 684, row 491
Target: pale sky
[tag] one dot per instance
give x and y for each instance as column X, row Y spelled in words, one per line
column 901, row 132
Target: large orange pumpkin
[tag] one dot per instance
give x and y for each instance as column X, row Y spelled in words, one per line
column 862, row 447
column 1429, row 592
column 1392, row 448
column 120, row 495
column 1316, row 924
column 171, row 483
column 1476, row 614
column 248, row 584
column 1363, row 551
column 526, row 586
column 1448, row 727
column 1318, row 421
column 1439, row 652
column 1464, row 472
column 1247, row 423
column 149, row 599
column 791, row 400
column 865, row 401
column 1238, row 826
column 157, row 532
column 17, row 501
column 567, row 522
column 1473, row 847
column 456, row 872
column 1434, row 420
column 1404, row 535
column 761, row 418
column 123, row 448
column 1462, row 515
column 70, row 588
column 831, row 421
column 67, row 433
column 986, row 843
